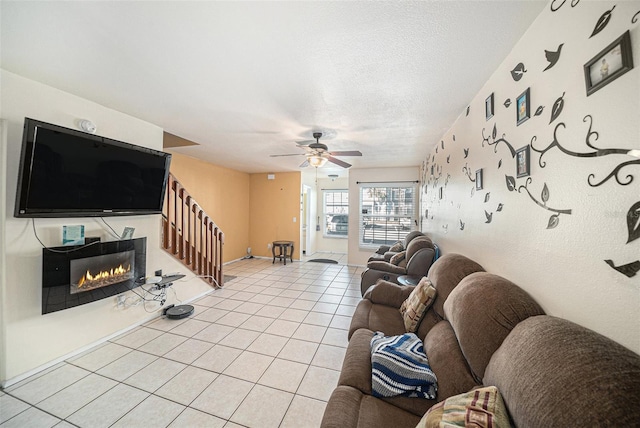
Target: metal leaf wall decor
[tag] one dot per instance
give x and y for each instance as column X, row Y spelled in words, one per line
column 486, row 197
column 499, row 208
column 555, row 6
column 558, row 105
column 552, row 56
column 461, row 225
column 467, row 172
column 596, row 153
column 468, row 108
column 489, row 216
column 602, row 22
column 633, row 222
column 507, row 102
column 635, row 17
column 630, row 269
column 518, row 71
column 448, row 158
column 499, row 163
column 539, row 111
column 466, row 153
column 495, row 142
column 554, row 220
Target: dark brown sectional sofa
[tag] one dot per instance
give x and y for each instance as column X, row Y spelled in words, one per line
column 484, row 330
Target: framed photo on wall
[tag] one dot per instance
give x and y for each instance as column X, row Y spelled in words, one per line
column 522, row 161
column 488, row 107
column 611, row 63
column 479, row 179
column 523, row 107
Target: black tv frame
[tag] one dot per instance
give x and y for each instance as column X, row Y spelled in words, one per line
column 24, row 172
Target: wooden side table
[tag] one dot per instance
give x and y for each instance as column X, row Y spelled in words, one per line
column 285, row 249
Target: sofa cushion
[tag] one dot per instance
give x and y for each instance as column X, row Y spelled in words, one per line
column 446, row 273
column 350, row 408
column 414, row 308
column 447, row 362
column 356, row 372
column 483, row 309
column 480, row 408
column 399, row 366
column 417, row 244
column 552, row 372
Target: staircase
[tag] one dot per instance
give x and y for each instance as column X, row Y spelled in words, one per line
column 189, row 235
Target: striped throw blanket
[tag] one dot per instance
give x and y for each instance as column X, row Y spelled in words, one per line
column 400, row 367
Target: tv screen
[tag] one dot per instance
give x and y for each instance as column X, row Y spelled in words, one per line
column 69, row 173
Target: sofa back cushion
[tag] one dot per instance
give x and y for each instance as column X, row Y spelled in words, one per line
column 446, row 273
column 552, row 372
column 483, row 309
column 417, row 244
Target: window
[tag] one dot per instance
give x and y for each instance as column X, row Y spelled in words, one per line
column 336, row 213
column 386, row 214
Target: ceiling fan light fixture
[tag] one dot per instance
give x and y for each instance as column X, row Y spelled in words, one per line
column 316, row 161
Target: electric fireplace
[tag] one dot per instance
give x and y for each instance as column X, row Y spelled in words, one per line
column 76, row 275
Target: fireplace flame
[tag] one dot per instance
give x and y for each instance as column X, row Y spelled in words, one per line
column 89, row 277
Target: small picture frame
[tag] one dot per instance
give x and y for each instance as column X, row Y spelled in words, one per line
column 127, row 233
column 488, row 107
column 611, row 63
column 522, row 161
column 479, row 179
column 523, row 107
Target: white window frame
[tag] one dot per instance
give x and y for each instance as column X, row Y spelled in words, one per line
column 398, row 218
column 325, row 214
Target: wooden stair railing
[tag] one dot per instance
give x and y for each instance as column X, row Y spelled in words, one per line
column 190, row 235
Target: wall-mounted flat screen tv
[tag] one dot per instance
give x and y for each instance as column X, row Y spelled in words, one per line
column 69, row 173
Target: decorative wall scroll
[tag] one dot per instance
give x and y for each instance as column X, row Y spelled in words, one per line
column 544, row 197
column 552, row 56
column 557, row 4
column 518, row 71
column 494, row 142
column 634, row 19
column 467, row 171
column 602, row 22
column 596, row 153
column 488, row 107
column 630, row 269
column 611, row 63
column 522, row 161
column 523, row 107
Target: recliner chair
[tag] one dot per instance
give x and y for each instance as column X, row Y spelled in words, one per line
column 419, row 256
column 384, row 253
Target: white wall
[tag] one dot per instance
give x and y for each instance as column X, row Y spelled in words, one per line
column 32, row 339
column 562, row 267
column 358, row 256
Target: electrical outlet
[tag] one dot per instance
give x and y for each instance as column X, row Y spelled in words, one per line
column 269, row 246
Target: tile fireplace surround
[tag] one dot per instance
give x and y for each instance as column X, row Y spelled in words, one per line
column 265, row 351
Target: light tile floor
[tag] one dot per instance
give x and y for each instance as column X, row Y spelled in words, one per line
column 265, row 351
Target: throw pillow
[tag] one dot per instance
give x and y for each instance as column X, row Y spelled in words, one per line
column 397, row 247
column 414, row 308
column 399, row 366
column 478, row 408
column 396, row 259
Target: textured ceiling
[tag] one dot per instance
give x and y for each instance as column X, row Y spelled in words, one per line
column 248, row 79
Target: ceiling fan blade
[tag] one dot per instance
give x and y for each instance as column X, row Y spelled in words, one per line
column 304, row 164
column 338, row 162
column 305, row 143
column 290, row 154
column 347, row 153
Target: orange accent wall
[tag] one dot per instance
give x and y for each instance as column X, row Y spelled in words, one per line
column 223, row 193
column 273, row 205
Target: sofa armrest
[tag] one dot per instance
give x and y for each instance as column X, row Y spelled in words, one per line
column 386, row 267
column 388, row 293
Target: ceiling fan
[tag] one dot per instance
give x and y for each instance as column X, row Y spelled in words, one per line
column 318, row 154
